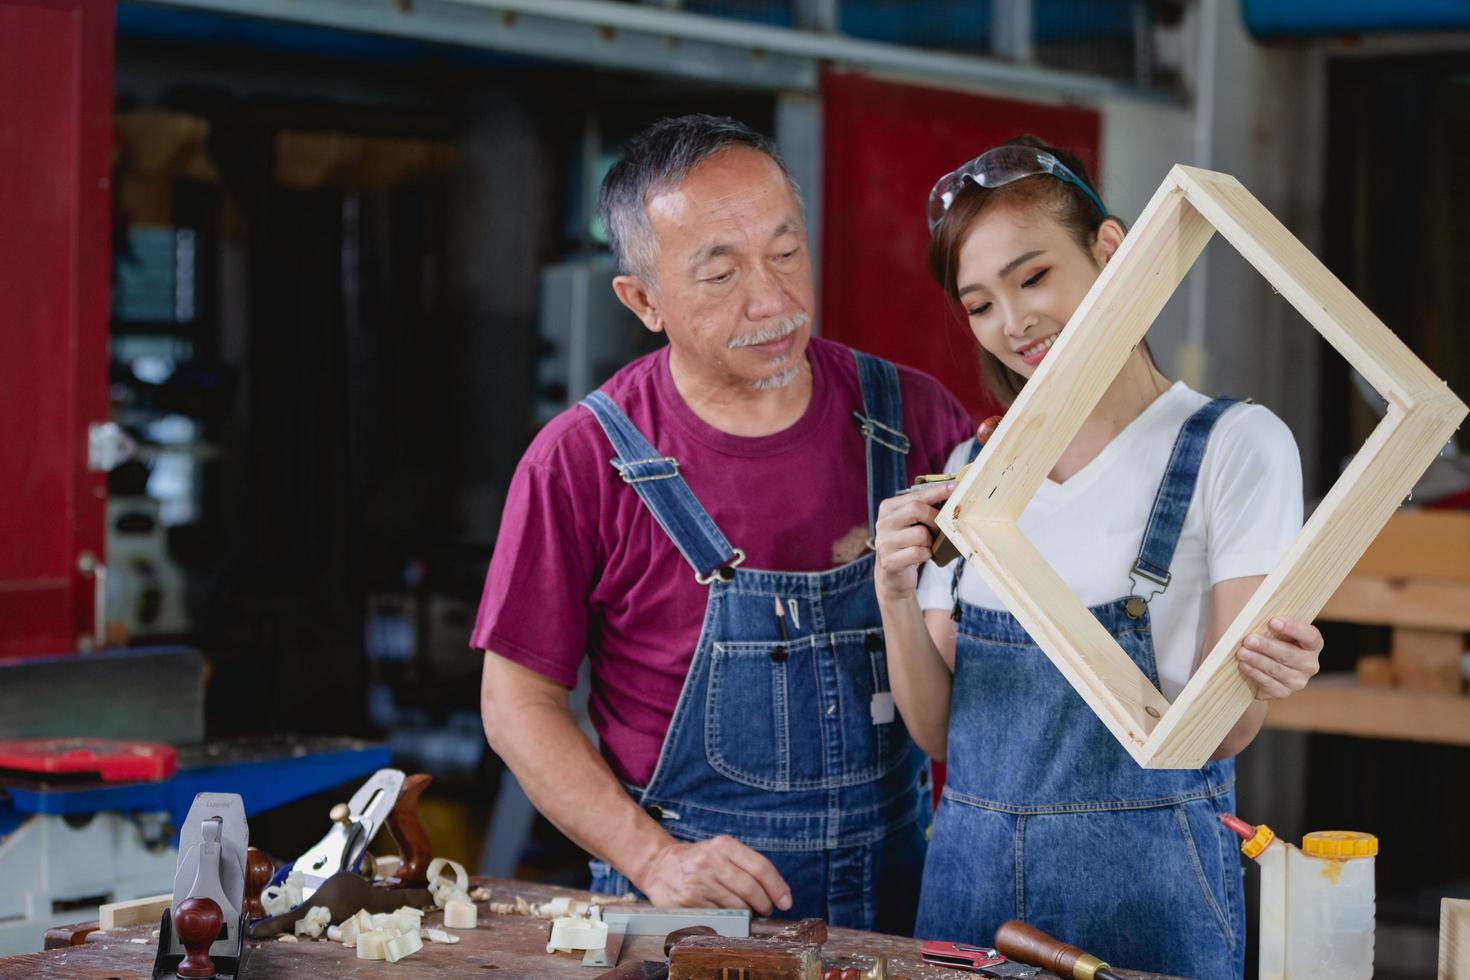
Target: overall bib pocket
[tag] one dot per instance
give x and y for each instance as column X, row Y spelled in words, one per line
column 812, row 713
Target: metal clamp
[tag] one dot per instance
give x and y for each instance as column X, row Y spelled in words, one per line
column 724, row 573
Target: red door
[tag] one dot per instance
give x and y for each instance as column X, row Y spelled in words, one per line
column 55, row 155
column 884, row 146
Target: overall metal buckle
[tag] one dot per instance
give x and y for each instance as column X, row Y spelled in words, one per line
column 724, row 573
column 625, row 466
column 1135, row 604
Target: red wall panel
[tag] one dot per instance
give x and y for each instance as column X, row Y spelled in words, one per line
column 884, row 146
column 55, row 153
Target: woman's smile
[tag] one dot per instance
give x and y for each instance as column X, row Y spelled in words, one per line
column 1033, row 352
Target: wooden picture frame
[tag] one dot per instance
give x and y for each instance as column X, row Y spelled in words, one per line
column 980, row 518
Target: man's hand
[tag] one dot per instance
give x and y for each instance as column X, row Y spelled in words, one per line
column 719, row 872
column 903, row 534
column 1281, row 665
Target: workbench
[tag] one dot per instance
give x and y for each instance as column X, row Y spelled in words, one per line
column 513, row 946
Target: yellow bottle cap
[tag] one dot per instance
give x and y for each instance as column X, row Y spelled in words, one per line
column 1262, row 840
column 1339, row 844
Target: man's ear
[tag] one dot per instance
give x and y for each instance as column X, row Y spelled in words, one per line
column 637, row 296
column 1109, row 239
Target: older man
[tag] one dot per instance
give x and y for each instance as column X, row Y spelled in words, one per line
column 718, row 572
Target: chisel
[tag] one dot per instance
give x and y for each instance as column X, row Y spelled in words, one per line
column 1027, row 944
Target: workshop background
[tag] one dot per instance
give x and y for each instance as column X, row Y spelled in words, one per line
column 286, row 289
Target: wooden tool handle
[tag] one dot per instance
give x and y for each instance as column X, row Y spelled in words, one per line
column 409, row 834
column 197, row 923
column 1027, row 944
column 986, row 429
column 258, row 871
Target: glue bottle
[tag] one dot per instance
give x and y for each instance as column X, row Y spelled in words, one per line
column 1316, row 912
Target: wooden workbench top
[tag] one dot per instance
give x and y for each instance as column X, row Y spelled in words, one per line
column 505, row 947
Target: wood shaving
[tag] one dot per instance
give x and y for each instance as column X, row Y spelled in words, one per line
column 613, row 899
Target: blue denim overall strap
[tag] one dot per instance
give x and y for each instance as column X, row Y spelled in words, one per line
column 1047, row 818
column 785, row 736
column 881, row 422
column 1161, row 533
column 655, row 477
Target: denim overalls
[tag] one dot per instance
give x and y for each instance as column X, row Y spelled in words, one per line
column 785, row 735
column 1046, row 818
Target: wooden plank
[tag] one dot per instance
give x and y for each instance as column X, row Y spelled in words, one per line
column 1454, row 939
column 1338, row 705
column 1377, row 600
column 980, row 517
column 1421, row 544
column 135, row 912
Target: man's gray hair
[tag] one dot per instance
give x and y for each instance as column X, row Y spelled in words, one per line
column 657, row 159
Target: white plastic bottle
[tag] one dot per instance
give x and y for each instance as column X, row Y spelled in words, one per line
column 1330, row 906
column 1317, row 903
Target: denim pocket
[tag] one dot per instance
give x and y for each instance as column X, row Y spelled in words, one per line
column 801, row 715
column 1204, row 863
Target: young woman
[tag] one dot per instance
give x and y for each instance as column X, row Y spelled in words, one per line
column 1164, row 496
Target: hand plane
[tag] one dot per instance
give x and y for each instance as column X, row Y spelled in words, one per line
column 354, row 825
column 332, row 873
column 203, row 932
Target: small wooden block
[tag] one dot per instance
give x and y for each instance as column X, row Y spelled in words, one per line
column 1417, row 603
column 1375, row 670
column 1429, row 660
column 1454, row 939
column 136, row 912
column 726, row 958
column 805, row 931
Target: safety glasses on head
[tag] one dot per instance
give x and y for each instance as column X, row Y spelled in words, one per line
column 998, row 167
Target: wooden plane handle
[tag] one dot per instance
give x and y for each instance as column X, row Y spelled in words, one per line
column 258, row 871
column 409, row 834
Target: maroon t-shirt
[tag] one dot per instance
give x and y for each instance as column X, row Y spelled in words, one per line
column 582, row 568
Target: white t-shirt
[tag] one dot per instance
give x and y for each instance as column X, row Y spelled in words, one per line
column 1245, row 513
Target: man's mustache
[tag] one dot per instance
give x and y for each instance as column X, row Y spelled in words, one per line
column 776, row 331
